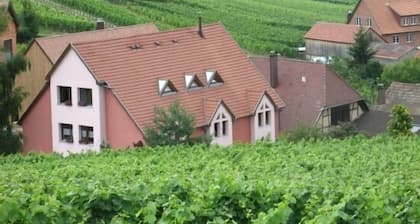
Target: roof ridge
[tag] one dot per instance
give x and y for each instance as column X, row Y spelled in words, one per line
column 94, row 31
column 147, row 34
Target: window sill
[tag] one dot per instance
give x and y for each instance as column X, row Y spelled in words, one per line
column 68, row 141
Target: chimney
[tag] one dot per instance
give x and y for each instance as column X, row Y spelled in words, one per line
column 349, row 15
column 100, row 24
column 200, row 27
column 381, row 94
column 273, row 69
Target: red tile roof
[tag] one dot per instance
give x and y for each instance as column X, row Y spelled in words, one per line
column 387, row 22
column 133, row 74
column 54, row 46
column 405, row 7
column 306, row 88
column 332, row 32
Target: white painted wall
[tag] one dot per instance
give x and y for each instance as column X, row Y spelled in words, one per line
column 222, row 140
column 257, row 132
column 72, row 72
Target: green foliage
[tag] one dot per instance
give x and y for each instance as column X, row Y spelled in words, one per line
column 9, row 142
column 361, row 52
column 258, row 26
column 304, row 132
column 28, row 28
column 170, row 127
column 10, row 99
column 360, row 78
column 343, row 130
column 3, row 19
column 356, row 180
column 401, row 122
column 407, row 71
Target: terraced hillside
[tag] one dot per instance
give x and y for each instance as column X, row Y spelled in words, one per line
column 258, row 26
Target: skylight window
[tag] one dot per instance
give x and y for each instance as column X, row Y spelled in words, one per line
column 213, row 78
column 192, row 81
column 166, row 87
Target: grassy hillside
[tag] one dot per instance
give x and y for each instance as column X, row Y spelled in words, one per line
column 352, row 181
column 258, row 26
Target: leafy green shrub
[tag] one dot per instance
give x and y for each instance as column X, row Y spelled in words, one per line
column 401, row 122
column 171, row 127
column 406, row 71
column 304, row 132
column 343, row 130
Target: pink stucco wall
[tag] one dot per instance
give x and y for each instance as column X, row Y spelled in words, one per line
column 37, row 134
column 121, row 131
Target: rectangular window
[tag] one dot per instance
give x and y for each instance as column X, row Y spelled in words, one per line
column 368, row 22
column 409, row 37
column 224, row 128
column 340, row 114
column 413, row 20
column 7, row 49
column 85, row 97
column 260, row 119
column 66, row 132
column 267, row 117
column 64, row 95
column 358, row 21
column 86, row 135
column 406, row 21
column 396, row 39
column 216, row 129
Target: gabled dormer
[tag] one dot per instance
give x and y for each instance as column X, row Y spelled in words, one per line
column 213, row 78
column 166, row 87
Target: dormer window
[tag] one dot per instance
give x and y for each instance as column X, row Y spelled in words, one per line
column 213, row 78
column 192, row 82
column 166, row 87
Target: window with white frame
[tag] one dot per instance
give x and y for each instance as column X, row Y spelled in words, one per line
column 220, row 125
column 368, row 22
column 66, row 132
column 358, row 21
column 86, row 135
column 85, row 97
column 264, row 115
column 64, row 95
column 406, row 21
column 396, row 39
column 409, row 37
column 213, row 78
column 413, row 20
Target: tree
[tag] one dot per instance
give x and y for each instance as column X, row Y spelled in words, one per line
column 10, row 99
column 360, row 52
column 406, row 71
column 361, row 57
column 401, row 122
column 29, row 23
column 170, row 127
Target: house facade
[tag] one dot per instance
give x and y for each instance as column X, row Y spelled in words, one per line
column 105, row 92
column 9, row 34
column 313, row 93
column 397, row 21
column 44, row 52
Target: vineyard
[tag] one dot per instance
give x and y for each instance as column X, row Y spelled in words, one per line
column 258, row 26
column 356, row 180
